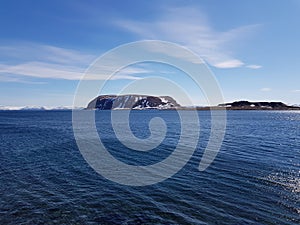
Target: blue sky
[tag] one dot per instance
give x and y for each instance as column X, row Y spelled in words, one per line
column 252, row 47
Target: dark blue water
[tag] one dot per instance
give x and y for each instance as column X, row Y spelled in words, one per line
column 255, row 178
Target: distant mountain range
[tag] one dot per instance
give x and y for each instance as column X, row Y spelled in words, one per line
column 37, row 108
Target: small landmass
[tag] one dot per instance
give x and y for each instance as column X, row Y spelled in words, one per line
column 109, row 102
column 140, row 102
column 246, row 105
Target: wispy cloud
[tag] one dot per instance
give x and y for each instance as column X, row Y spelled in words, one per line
column 56, row 71
column 41, row 61
column 28, row 51
column 45, row 61
column 296, row 91
column 266, row 89
column 43, row 70
column 18, row 79
column 190, row 28
column 229, row 64
column 254, row 66
column 186, row 26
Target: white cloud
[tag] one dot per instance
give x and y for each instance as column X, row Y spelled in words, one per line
column 43, row 70
column 186, row 26
column 230, row 64
column 296, row 91
column 190, row 28
column 56, row 71
column 41, row 61
column 18, row 79
column 45, row 61
column 266, row 89
column 254, row 66
column 27, row 52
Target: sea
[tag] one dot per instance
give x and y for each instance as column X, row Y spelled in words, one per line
column 254, row 179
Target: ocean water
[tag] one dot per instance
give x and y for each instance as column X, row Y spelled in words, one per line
column 255, row 178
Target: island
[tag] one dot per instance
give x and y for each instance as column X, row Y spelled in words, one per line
column 141, row 102
column 113, row 102
column 246, row 105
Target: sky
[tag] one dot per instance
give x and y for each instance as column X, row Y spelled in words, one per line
column 252, row 46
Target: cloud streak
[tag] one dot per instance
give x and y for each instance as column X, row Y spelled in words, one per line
column 266, row 89
column 27, row 51
column 190, row 28
column 296, row 91
column 254, row 66
column 45, row 61
column 186, row 26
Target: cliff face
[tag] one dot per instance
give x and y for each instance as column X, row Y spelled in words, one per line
column 108, row 102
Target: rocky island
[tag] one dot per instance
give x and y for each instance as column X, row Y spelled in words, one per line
column 246, row 105
column 109, row 102
column 140, row 102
